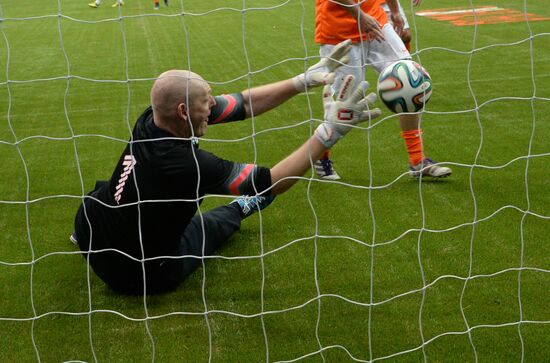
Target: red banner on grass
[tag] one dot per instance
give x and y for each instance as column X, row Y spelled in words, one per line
column 480, row 15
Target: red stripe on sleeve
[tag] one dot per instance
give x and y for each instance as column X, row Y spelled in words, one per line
column 230, row 107
column 234, row 187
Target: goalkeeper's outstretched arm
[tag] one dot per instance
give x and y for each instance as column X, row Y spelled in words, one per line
column 260, row 99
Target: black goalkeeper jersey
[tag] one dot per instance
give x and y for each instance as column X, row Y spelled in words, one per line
column 158, row 184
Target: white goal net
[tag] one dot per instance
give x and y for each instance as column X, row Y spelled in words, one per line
column 376, row 266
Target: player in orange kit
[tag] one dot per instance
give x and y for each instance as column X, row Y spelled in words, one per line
column 376, row 43
column 157, row 4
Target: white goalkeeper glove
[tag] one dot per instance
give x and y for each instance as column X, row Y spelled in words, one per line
column 322, row 72
column 350, row 108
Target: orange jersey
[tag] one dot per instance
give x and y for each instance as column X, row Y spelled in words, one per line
column 333, row 22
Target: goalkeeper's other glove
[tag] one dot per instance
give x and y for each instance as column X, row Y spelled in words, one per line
column 322, row 72
column 350, row 108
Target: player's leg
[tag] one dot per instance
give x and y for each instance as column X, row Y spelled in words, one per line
column 324, row 167
column 156, row 5
column 95, row 4
column 406, row 38
column 207, row 233
column 202, row 236
column 165, row 273
column 118, row 3
column 380, row 55
column 406, row 34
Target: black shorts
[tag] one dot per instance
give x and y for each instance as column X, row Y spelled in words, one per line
column 124, row 274
column 129, row 276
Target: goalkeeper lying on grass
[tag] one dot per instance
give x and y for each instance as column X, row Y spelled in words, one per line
column 136, row 228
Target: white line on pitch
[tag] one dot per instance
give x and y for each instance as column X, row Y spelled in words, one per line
column 479, row 10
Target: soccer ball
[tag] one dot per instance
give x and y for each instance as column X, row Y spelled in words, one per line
column 404, row 86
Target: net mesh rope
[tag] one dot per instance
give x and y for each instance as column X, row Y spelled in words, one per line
column 317, row 300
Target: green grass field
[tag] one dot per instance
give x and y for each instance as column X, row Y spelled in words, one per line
column 375, row 267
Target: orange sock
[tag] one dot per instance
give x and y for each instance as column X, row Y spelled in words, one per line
column 413, row 141
column 325, row 155
column 156, row 2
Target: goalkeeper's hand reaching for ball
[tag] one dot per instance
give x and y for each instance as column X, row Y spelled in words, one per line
column 350, row 108
column 260, row 99
column 322, row 72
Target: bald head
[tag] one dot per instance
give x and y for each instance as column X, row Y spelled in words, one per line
column 172, row 88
